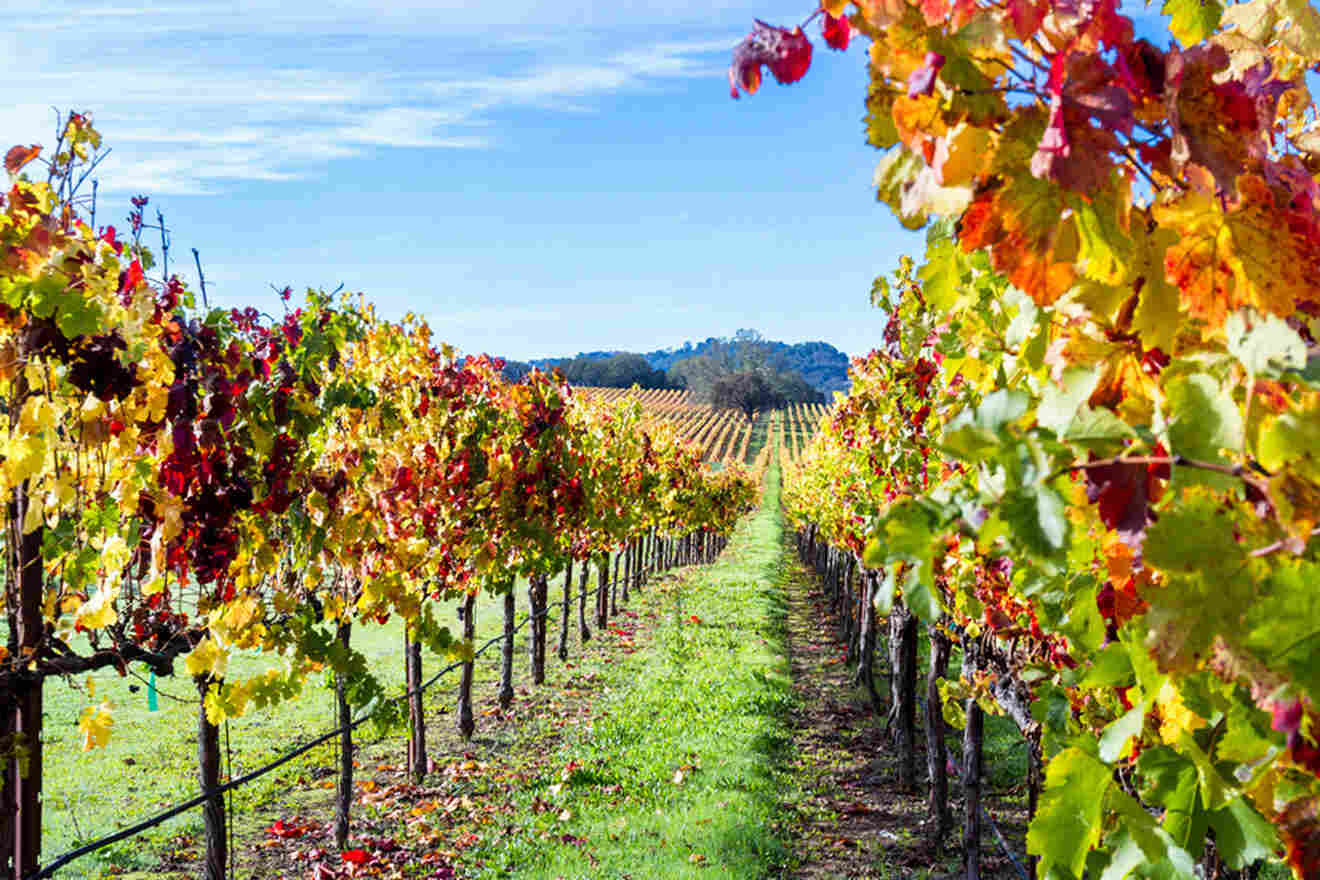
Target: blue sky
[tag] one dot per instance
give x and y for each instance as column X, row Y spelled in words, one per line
column 536, row 178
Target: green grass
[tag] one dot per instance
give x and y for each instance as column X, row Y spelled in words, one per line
column 708, row 700
column 151, row 760
column 760, row 434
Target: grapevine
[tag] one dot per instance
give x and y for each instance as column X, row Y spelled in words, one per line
column 1087, row 434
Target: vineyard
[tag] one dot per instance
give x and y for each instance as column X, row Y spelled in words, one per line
column 1077, row 478
column 186, row 487
column 723, row 434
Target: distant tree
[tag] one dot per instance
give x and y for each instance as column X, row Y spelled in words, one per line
column 515, row 370
column 747, row 391
column 790, row 387
column 616, row 371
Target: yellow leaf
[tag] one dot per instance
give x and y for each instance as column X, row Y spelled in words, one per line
column 92, row 409
column 1177, row 717
column 94, row 724
column 23, row 458
column 33, row 519
column 238, row 615
column 962, row 154
column 207, row 658
column 99, row 611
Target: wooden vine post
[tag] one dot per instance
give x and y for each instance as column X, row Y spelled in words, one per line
column 506, row 650
column 568, row 600
column 466, row 723
column 216, row 859
column 416, row 715
column 538, row 599
column 344, row 718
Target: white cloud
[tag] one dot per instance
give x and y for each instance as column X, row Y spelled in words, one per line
column 193, row 95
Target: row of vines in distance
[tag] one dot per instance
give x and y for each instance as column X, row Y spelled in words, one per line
column 724, row 435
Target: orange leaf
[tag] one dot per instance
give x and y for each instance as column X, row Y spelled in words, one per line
column 19, row 156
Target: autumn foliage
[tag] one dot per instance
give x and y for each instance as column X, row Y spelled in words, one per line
column 182, row 483
column 1103, row 375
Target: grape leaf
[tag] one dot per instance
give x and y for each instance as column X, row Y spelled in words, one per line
column 1037, row 517
column 941, row 276
column 1059, row 404
column 1242, row 836
column 1139, row 835
column 1191, row 21
column 19, row 156
column 1203, row 421
column 1246, row 255
column 1114, row 740
column 1068, row 818
column 1170, row 781
column 1264, row 344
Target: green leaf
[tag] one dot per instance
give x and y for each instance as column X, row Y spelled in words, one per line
column 1106, row 250
column 874, row 556
column 1171, row 781
column 1191, row 537
column 1112, row 667
column 1264, row 344
column 883, row 600
column 1079, row 617
column 1247, row 737
column 941, row 275
column 78, row 317
column 1068, row 818
column 1114, row 739
column 1037, row 517
column 1153, row 841
column 1097, row 429
column 1289, row 438
column 1242, row 835
column 1059, row 405
column 1191, row 21
column 1000, row 408
column 1126, row 856
column 919, row 594
column 1215, row 790
column 1203, row 419
column 1280, row 624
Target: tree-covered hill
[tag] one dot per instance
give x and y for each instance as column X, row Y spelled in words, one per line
column 820, row 365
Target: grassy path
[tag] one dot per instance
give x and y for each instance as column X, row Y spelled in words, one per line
column 679, row 772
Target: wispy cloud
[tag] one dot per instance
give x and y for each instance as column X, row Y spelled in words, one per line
column 192, row 96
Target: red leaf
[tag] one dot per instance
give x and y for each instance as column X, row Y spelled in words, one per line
column 132, row 278
column 1287, row 716
column 787, row 54
column 1124, row 493
column 19, row 156
column 836, row 31
column 279, row 829
column 1026, row 16
column 356, row 856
